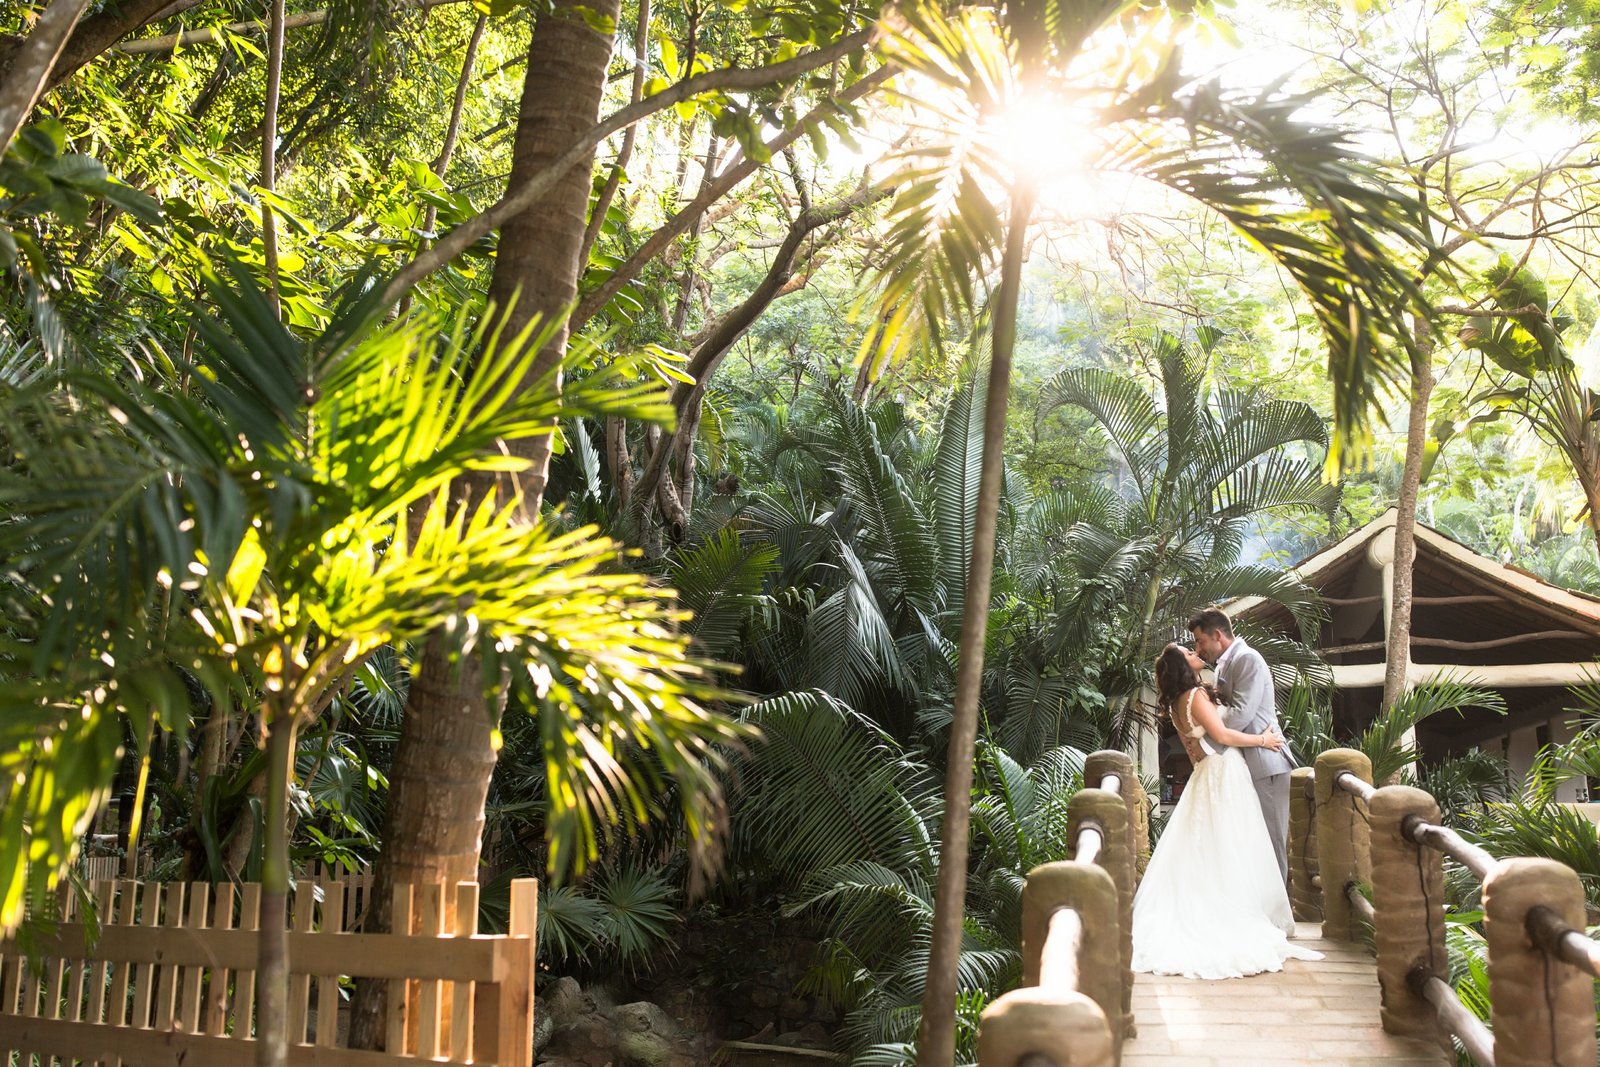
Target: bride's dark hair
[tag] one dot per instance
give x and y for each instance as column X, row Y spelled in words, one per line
column 1174, row 676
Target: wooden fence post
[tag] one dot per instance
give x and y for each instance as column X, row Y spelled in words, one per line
column 502, row 1022
column 1069, row 1028
column 1304, row 896
column 1408, row 901
column 1344, row 850
column 1110, row 811
column 1543, row 1008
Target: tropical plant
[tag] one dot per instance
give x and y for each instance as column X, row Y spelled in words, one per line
column 1195, row 468
column 269, row 532
column 1390, row 740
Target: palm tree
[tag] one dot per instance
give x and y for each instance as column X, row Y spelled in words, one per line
column 265, row 536
column 1196, row 467
column 1293, row 188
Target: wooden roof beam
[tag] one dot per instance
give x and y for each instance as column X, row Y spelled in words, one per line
column 1493, row 675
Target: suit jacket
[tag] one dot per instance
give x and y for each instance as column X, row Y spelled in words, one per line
column 1249, row 705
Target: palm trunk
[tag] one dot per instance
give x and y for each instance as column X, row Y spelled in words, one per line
column 437, row 788
column 936, row 1041
column 272, row 964
column 1405, row 532
column 445, row 759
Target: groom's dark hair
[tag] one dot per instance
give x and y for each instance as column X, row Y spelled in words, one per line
column 1212, row 621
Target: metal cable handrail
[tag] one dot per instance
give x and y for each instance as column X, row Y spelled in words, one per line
column 1453, row 1015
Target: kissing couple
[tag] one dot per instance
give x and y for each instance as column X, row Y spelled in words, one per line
column 1213, row 901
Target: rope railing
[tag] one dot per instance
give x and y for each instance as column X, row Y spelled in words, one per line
column 1452, row 844
column 1390, row 838
column 1552, row 934
column 1361, row 905
column 1075, row 1003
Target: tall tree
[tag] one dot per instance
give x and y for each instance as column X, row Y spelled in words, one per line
column 1407, row 74
column 1294, row 188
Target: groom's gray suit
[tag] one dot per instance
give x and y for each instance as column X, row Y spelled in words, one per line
column 1245, row 685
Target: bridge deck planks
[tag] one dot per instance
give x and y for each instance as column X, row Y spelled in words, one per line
column 1310, row 1013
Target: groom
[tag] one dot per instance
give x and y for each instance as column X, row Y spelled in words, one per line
column 1245, row 686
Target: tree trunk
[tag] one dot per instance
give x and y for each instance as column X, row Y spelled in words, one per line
column 1405, row 531
column 619, row 461
column 433, row 826
column 27, row 69
column 269, row 148
column 90, row 37
column 272, row 965
column 608, row 192
column 936, row 1040
column 445, row 759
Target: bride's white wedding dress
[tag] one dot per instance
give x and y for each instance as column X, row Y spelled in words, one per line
column 1212, row 903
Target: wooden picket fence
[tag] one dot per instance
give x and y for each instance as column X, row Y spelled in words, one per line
column 356, row 887
column 171, row 982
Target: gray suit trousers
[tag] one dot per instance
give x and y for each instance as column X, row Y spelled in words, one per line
column 1273, row 793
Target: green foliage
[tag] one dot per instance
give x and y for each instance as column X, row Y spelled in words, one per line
column 273, row 507
column 625, row 917
column 1384, row 742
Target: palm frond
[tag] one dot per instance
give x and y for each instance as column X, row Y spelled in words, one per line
column 1352, row 241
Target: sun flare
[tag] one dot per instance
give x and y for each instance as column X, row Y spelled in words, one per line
column 1054, row 142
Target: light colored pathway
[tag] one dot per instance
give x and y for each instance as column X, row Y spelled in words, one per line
column 1324, row 1013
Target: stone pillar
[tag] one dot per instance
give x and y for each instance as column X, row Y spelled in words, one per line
column 1543, row 1008
column 1111, row 812
column 1088, row 889
column 1408, row 902
column 1343, row 850
column 1110, row 761
column 1069, row 1028
column 1304, row 896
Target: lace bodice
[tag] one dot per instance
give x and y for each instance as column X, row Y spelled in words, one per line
column 1188, row 732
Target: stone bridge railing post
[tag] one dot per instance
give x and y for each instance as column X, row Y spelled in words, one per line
column 1111, row 812
column 1543, row 1010
column 1344, row 850
column 1304, row 895
column 1087, row 889
column 1069, row 1028
column 1110, row 761
column 1408, row 901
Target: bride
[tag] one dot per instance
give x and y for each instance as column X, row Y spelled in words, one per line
column 1212, row 902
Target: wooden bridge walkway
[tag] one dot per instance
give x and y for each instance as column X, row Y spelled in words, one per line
column 1323, row 1013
